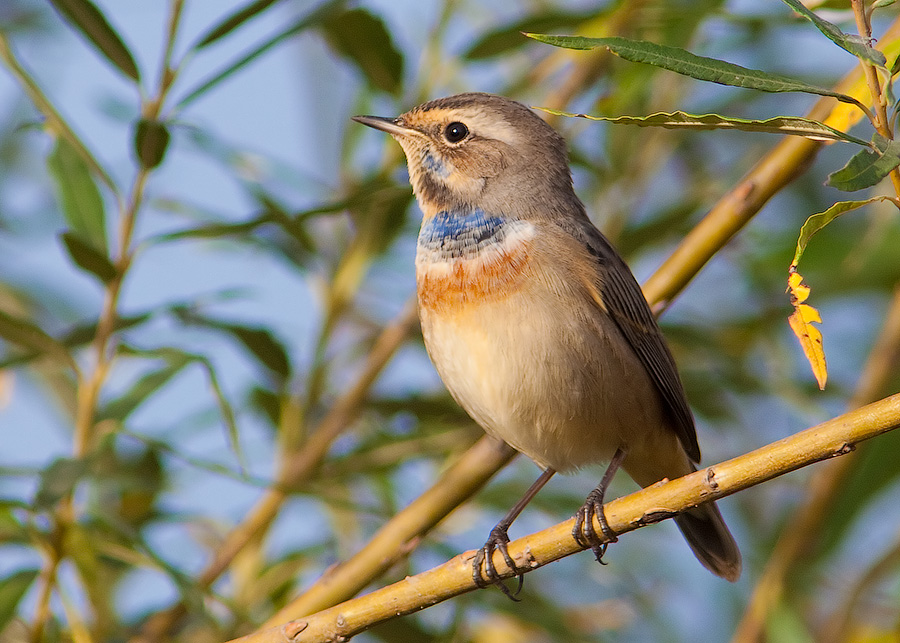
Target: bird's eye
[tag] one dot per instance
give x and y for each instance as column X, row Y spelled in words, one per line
column 455, row 132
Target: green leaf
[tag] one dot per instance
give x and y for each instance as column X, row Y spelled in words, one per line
column 700, row 67
column 151, row 140
column 58, row 480
column 12, row 589
column 818, row 221
column 123, row 406
column 508, row 37
column 78, row 194
column 88, row 258
column 791, row 125
column 89, row 21
column 847, row 42
column 258, row 341
column 84, row 333
column 310, row 20
column 234, row 21
column 227, row 413
column 867, row 167
column 363, row 39
column 24, row 333
column 55, row 122
column 149, row 384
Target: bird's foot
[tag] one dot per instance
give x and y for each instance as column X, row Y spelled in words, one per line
column 497, row 541
column 584, row 532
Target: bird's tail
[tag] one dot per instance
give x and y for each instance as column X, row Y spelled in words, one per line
column 712, row 543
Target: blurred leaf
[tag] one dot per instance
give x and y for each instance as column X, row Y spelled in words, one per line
column 291, row 224
column 867, row 167
column 78, row 194
column 852, row 44
column 801, row 321
column 508, row 37
column 55, row 122
column 818, row 221
column 12, row 590
column 234, row 21
column 151, row 140
column 84, row 333
column 684, row 62
column 23, row 333
column 89, row 21
column 790, row 125
column 88, row 258
column 58, row 480
column 227, row 414
column 259, row 342
column 310, row 20
column 267, row 403
column 364, row 39
column 124, row 405
column 176, row 360
column 12, row 530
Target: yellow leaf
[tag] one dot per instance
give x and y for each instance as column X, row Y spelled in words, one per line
column 799, row 290
column 801, row 322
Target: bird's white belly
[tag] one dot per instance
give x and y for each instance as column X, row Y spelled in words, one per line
column 552, row 378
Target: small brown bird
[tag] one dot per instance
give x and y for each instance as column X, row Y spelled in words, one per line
column 533, row 320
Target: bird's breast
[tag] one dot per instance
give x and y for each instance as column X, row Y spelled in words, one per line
column 470, row 258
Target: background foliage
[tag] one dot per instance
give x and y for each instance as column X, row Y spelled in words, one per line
column 199, row 254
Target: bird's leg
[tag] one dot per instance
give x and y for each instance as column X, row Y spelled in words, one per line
column 499, row 539
column 584, row 532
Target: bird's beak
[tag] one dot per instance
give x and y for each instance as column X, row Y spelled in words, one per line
column 392, row 126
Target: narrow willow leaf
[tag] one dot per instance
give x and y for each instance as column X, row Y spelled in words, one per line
column 509, row 37
column 310, row 20
column 24, row 333
column 847, row 42
column 259, row 342
column 58, row 480
column 791, row 125
column 818, row 221
column 12, row 590
column 55, row 122
column 234, row 21
column 90, row 21
column 176, row 360
column 363, row 39
column 84, row 333
column 89, row 258
column 700, row 67
column 801, row 322
column 867, row 167
column 227, row 413
column 151, row 140
column 78, row 195
column 124, row 405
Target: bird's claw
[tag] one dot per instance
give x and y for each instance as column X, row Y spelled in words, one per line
column 497, row 541
column 585, row 534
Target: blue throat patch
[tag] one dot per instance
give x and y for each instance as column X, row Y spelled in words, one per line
column 451, row 235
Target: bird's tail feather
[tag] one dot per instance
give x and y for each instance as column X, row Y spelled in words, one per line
column 712, row 543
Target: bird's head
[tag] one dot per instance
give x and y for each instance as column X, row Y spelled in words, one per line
column 480, row 151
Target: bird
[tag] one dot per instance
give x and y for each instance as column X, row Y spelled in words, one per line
column 535, row 323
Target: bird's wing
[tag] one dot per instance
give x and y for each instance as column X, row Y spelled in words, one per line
column 621, row 297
